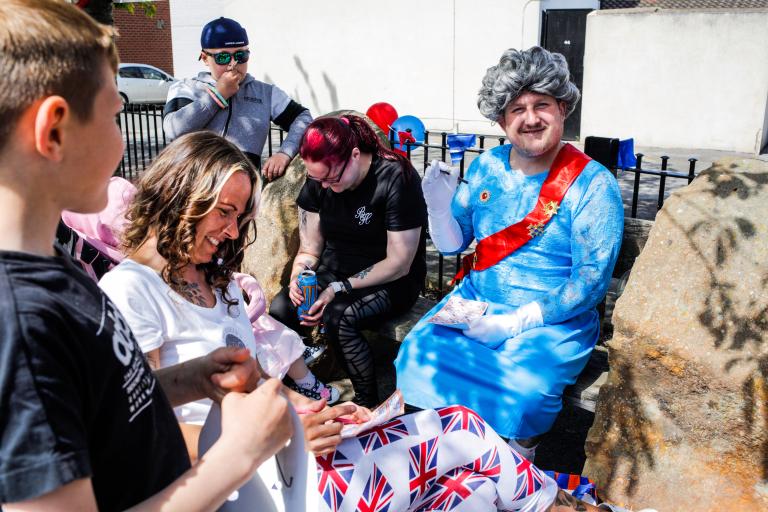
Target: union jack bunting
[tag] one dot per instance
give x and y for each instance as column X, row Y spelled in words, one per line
column 458, row 417
column 334, row 475
column 422, row 468
column 382, row 435
column 377, row 495
column 579, row 486
column 529, row 477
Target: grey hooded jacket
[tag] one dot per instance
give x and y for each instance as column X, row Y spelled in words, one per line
column 245, row 122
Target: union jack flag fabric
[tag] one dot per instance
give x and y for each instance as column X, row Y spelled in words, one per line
column 444, row 459
column 382, row 435
column 452, row 489
column 458, row 417
column 377, row 495
column 334, row 476
column 422, row 468
column 529, row 477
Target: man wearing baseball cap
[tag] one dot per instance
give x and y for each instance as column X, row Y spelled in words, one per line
column 232, row 103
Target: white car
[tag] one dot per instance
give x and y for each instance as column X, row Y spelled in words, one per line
column 142, row 83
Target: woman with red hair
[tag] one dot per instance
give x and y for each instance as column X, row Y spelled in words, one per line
column 361, row 229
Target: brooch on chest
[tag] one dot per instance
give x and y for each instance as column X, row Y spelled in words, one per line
column 485, row 195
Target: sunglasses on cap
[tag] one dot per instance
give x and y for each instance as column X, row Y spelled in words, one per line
column 224, row 58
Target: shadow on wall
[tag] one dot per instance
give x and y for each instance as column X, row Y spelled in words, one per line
column 741, row 334
column 329, row 85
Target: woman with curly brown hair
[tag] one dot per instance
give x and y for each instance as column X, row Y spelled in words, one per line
column 187, row 229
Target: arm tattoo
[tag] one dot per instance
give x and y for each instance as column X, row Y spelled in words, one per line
column 361, row 275
column 192, row 292
column 568, row 502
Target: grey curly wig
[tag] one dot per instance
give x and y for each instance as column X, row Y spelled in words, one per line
column 533, row 70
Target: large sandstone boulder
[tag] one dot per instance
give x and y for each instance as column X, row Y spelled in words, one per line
column 269, row 259
column 682, row 423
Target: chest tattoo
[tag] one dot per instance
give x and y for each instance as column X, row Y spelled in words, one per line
column 193, row 293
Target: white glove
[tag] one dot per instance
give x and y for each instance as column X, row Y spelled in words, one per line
column 438, row 190
column 493, row 329
column 439, row 187
column 445, row 232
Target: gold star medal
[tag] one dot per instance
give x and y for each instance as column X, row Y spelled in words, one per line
column 551, row 208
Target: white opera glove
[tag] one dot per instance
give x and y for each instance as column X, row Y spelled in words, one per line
column 492, row 330
column 439, row 188
column 439, row 185
column 445, row 232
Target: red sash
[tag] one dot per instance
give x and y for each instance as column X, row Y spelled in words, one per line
column 567, row 166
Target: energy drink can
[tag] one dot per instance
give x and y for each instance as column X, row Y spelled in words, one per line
column 308, row 285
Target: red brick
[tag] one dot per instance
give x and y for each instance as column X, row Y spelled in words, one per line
column 146, row 40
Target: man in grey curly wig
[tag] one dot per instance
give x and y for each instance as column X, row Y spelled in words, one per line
column 548, row 223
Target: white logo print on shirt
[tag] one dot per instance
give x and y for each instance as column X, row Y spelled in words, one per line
column 363, row 216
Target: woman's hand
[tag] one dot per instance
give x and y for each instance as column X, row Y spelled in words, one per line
column 315, row 313
column 361, row 414
column 294, row 292
column 322, row 434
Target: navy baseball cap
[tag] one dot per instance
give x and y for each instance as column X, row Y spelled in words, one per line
column 223, row 33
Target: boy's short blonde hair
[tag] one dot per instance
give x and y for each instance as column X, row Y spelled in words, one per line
column 47, row 48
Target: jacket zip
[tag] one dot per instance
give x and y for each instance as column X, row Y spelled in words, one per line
column 229, row 115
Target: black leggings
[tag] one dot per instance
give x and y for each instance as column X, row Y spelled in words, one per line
column 346, row 317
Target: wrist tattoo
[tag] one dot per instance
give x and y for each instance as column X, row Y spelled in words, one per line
column 361, row 275
column 192, row 292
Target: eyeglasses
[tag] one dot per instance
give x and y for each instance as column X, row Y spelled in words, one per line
column 224, row 58
column 331, row 181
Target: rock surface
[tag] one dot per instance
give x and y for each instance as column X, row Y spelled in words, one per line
column 682, row 423
column 270, row 257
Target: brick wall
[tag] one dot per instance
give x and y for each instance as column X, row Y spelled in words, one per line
column 146, row 40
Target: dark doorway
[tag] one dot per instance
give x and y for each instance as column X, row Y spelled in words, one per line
column 564, row 31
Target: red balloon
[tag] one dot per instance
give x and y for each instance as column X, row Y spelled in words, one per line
column 383, row 114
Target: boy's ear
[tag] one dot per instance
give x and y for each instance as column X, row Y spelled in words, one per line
column 51, row 122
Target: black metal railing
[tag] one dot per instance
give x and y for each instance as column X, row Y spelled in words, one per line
column 142, row 127
column 644, row 186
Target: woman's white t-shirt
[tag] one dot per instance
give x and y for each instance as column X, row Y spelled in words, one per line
column 161, row 318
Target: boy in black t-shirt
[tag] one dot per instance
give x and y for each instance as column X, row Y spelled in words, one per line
column 83, row 421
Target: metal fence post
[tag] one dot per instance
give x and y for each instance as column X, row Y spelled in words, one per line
column 636, row 187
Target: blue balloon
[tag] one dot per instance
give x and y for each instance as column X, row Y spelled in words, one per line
column 406, row 127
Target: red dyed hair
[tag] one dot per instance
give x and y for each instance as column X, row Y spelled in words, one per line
column 330, row 140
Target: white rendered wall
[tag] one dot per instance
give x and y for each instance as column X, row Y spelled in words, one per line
column 427, row 57
column 692, row 79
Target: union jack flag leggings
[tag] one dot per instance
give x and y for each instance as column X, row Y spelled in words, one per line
column 442, row 459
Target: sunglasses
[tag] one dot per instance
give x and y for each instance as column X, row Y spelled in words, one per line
column 331, row 181
column 224, row 58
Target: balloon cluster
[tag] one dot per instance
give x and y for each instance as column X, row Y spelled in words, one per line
column 409, row 130
column 404, row 130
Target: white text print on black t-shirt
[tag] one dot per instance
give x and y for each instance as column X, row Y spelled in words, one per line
column 138, row 381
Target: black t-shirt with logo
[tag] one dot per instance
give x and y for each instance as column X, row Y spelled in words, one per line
column 355, row 222
column 77, row 398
